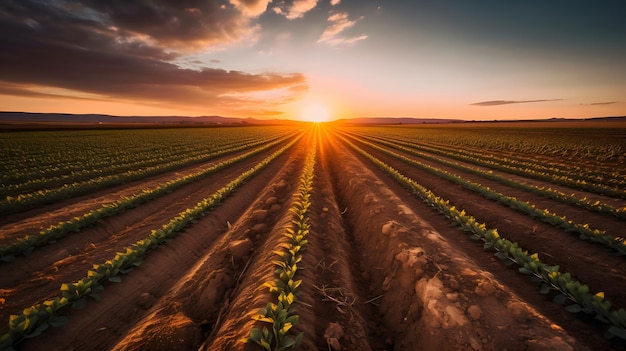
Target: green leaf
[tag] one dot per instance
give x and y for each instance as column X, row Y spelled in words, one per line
column 525, row 270
column 293, row 319
column 7, row 258
column 5, row 340
column 560, row 299
column 288, row 342
column 508, row 263
column 40, row 329
column 58, row 321
column 575, row 308
column 265, row 345
column 545, row 289
column 298, row 341
column 617, row 331
column 267, row 335
column 78, row 304
column 115, row 279
column 94, row 296
column 255, row 336
column 502, row 255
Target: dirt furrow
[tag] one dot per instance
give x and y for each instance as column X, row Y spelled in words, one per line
column 343, row 308
column 611, row 225
column 42, row 272
column 593, row 264
column 32, row 221
column 615, row 202
column 381, row 269
column 433, row 295
column 175, row 298
column 606, row 166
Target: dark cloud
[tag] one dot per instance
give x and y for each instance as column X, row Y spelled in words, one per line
column 506, row 102
column 124, row 50
column 181, row 24
column 602, row 103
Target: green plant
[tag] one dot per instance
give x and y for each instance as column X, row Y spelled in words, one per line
column 282, row 315
column 569, row 289
column 35, row 319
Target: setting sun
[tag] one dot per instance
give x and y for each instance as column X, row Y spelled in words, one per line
column 315, row 113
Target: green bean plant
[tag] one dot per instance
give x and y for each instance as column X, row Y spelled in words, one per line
column 26, row 244
column 37, row 318
column 281, row 316
column 568, row 289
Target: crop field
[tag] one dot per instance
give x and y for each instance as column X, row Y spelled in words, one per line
column 316, row 236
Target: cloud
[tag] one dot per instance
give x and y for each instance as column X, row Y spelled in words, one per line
column 339, row 22
column 601, row 103
column 297, row 9
column 191, row 24
column 334, row 2
column 34, row 91
column 506, row 102
column 300, row 7
column 252, row 8
column 120, row 50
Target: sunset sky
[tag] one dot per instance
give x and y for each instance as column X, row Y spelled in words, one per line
column 353, row 58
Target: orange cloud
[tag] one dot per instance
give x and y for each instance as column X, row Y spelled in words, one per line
column 300, row 7
column 251, row 8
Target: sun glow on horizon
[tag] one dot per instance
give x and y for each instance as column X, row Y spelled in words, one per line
column 315, row 113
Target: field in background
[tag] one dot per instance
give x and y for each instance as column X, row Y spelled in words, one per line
column 474, row 236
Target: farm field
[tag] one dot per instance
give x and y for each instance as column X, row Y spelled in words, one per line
column 317, row 236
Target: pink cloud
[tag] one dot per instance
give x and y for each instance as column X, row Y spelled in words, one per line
column 300, row 7
column 339, row 22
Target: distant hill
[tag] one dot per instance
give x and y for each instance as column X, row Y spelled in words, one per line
column 396, row 120
column 411, row 120
column 29, row 117
column 91, row 119
column 555, row 119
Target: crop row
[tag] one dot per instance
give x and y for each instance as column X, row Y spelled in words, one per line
column 550, row 193
column 38, row 179
column 539, row 164
column 281, row 316
column 36, row 155
column 26, row 244
column 45, row 196
column 569, row 289
column 583, row 231
column 599, row 146
column 37, row 318
column 610, row 184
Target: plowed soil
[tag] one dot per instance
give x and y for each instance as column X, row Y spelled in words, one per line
column 382, row 270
